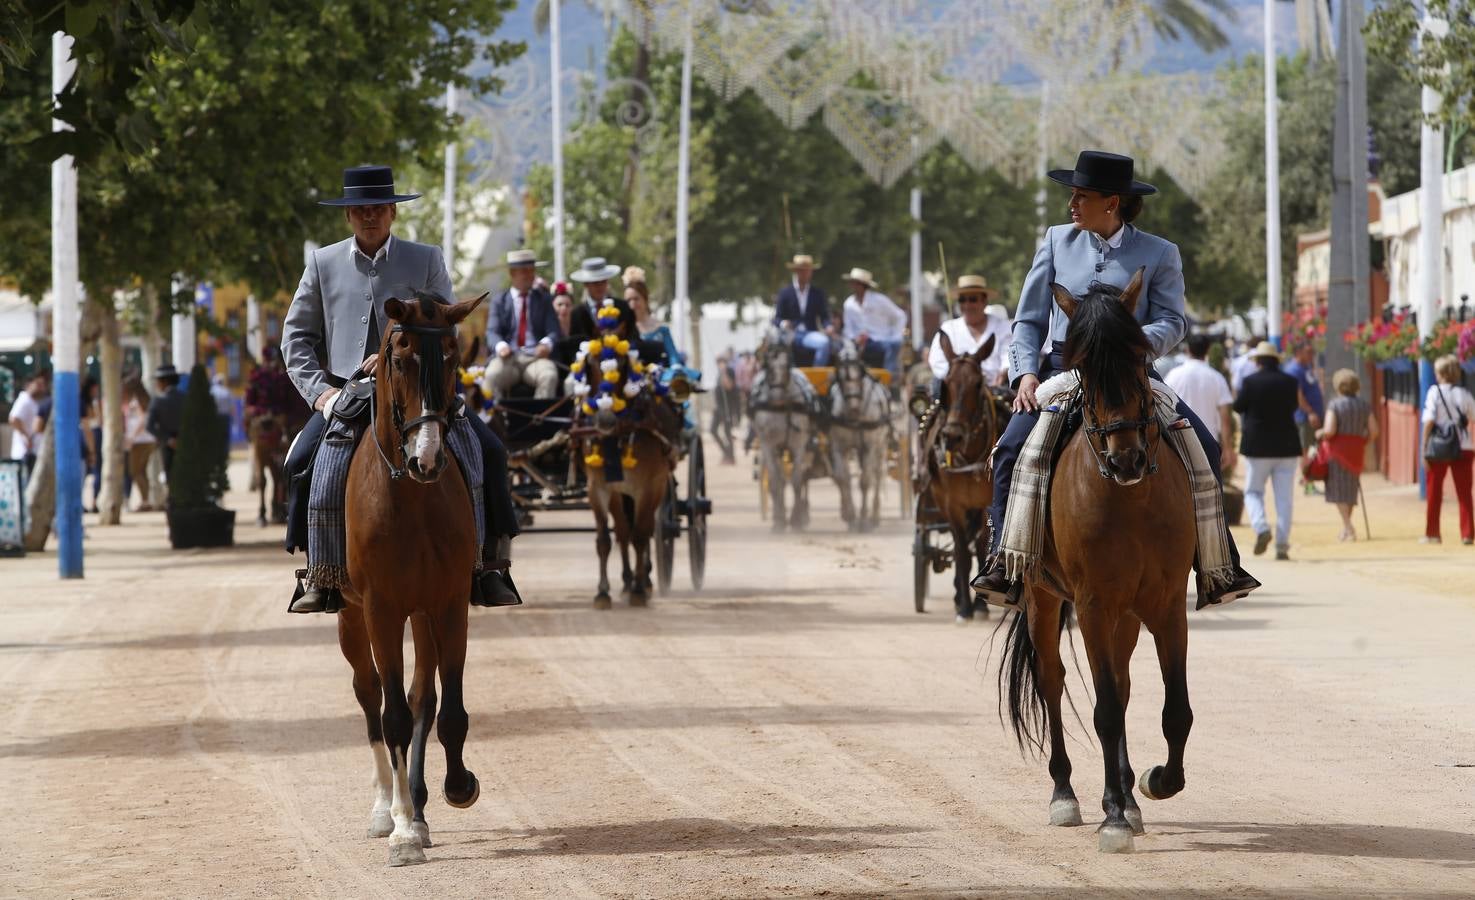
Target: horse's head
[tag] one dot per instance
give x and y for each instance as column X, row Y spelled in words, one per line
column 1105, row 344
column 851, row 375
column 610, row 379
column 965, row 395
column 778, row 359
column 416, row 379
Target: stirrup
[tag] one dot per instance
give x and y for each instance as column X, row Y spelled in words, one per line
column 1007, row 596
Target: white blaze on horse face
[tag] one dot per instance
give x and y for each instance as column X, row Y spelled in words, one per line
column 427, row 441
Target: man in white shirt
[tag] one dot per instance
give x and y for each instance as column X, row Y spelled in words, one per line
column 25, row 419
column 521, row 328
column 871, row 318
column 968, row 331
column 1244, row 365
column 1206, row 392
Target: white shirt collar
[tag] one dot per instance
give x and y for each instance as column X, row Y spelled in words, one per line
column 1115, row 240
column 801, row 291
column 383, row 252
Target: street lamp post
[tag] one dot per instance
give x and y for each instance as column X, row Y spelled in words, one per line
column 66, row 436
column 1272, row 183
column 555, row 62
column 448, row 213
column 681, row 303
column 1431, row 221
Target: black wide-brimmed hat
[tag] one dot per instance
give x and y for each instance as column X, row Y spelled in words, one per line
column 368, row 186
column 1105, row 173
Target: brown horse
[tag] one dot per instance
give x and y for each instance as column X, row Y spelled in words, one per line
column 270, row 435
column 411, row 546
column 643, row 438
column 961, row 438
column 1120, row 544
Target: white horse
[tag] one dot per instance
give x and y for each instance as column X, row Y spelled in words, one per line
column 860, row 427
column 782, row 404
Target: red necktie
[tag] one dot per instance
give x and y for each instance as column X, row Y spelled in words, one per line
column 522, row 324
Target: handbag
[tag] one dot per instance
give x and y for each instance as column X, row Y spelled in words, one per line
column 1317, row 464
column 1443, row 444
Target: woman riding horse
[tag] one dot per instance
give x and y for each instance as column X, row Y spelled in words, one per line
column 1099, row 247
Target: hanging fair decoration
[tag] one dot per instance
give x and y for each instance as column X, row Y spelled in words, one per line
column 885, row 135
column 802, row 80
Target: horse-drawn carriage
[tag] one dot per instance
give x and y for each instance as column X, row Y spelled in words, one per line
column 549, row 473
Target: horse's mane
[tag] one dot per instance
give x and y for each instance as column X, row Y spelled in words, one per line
column 1106, row 344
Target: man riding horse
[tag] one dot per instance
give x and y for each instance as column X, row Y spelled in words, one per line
column 1099, row 247
column 336, row 320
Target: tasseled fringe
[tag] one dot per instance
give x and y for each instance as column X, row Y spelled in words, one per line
column 327, row 577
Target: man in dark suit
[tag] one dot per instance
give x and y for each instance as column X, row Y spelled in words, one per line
column 803, row 307
column 1271, row 445
column 521, row 331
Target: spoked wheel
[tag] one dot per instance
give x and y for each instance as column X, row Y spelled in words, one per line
column 696, row 512
column 921, row 560
column 667, row 528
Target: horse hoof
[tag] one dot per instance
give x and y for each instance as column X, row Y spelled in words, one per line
column 1115, row 838
column 1065, row 813
column 602, row 601
column 261, row 521
column 381, row 823
column 640, row 599
column 463, row 801
column 422, row 831
column 405, row 850
column 1144, row 784
column 1134, row 819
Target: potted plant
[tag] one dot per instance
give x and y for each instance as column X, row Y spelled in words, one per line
column 1391, row 344
column 1305, row 326
column 197, row 479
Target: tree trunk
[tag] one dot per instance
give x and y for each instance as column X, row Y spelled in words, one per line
column 114, row 460
column 41, row 494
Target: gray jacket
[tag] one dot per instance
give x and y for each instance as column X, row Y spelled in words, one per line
column 324, row 334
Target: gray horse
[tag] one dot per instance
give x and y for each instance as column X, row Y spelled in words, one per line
column 860, row 428
column 783, row 403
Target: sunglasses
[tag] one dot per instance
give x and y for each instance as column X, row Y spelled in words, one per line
column 970, row 298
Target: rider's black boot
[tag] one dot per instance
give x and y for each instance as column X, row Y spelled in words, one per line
column 1241, row 586
column 493, row 586
column 314, row 600
column 994, row 587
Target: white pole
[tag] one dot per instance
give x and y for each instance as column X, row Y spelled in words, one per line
column 448, row 204
column 917, row 286
column 1431, row 203
column 255, row 336
column 555, row 62
column 1043, row 163
column 181, row 331
column 679, row 309
column 66, row 436
column 1272, row 182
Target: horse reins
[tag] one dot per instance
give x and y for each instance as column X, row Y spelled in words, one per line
column 991, row 422
column 431, row 387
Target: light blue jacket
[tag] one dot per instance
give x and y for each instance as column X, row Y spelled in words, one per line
column 1074, row 258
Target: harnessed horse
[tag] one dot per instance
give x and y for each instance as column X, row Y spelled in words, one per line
column 412, row 537
column 782, row 407
column 1120, row 545
column 957, row 459
column 859, row 410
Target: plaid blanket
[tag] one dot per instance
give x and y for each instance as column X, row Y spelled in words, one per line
column 1029, row 496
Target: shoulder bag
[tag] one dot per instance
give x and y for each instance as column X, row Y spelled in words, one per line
column 1443, row 444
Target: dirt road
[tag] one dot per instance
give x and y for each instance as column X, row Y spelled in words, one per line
column 793, row 730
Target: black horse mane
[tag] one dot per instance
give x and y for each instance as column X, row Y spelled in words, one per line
column 1106, row 344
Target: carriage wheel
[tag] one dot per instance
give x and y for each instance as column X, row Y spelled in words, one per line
column 667, row 528
column 921, row 561
column 696, row 512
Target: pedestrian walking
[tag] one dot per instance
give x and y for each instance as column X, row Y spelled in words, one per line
column 1350, row 424
column 138, row 444
column 26, row 420
column 1267, row 402
column 1448, row 407
column 166, row 412
column 91, row 416
column 1206, row 392
column 1302, row 367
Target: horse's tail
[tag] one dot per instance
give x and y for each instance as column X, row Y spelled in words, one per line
column 1019, row 688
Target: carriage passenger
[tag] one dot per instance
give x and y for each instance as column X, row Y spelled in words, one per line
column 1099, row 246
column 872, row 319
column 330, row 335
column 803, row 308
column 521, row 330
column 969, row 330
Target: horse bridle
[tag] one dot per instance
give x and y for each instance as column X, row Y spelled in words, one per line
column 430, row 383
column 1093, row 430
column 991, row 421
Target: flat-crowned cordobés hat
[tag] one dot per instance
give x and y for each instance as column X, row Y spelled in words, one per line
column 595, row 269
column 1265, row 350
column 975, row 284
column 1105, row 173
column 801, row 261
column 523, row 258
column 368, row 186
column 864, row 277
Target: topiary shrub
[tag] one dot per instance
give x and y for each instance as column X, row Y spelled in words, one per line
column 198, row 477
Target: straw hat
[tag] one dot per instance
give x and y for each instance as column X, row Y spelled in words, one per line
column 802, row 261
column 864, row 277
column 523, row 258
column 1265, row 350
column 975, row 284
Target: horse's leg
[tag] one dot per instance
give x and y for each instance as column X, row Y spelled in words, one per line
column 1044, row 632
column 1124, row 642
column 840, row 466
column 1099, row 631
column 353, row 640
column 1171, row 635
column 461, row 787
column 599, row 502
column 622, row 515
column 962, row 566
column 644, row 528
column 979, row 537
column 773, row 460
column 258, row 484
column 422, row 703
column 387, row 634
column 799, row 519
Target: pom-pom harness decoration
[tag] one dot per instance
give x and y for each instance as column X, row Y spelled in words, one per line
column 598, row 384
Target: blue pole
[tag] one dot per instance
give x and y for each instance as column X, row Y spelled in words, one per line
column 66, row 432
column 1426, row 381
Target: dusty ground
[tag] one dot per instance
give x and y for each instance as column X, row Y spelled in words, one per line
column 793, row 730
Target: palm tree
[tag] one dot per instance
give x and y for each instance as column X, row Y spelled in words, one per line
column 1179, row 19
